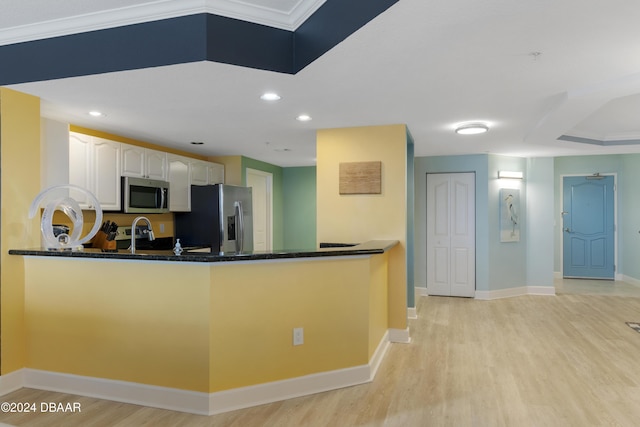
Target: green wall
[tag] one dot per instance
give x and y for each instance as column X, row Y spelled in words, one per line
column 294, row 203
column 299, row 185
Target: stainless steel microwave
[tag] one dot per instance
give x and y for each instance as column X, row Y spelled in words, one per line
column 143, row 195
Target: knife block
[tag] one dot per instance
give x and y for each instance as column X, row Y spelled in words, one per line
column 100, row 241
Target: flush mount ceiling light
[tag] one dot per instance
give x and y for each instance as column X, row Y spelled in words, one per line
column 510, row 175
column 303, row 118
column 270, row 96
column 96, row 113
column 471, row 128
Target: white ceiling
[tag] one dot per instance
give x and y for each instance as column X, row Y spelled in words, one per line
column 426, row 64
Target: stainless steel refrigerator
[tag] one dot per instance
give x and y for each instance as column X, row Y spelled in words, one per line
column 221, row 218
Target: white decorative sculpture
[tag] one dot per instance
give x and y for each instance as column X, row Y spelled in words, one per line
column 72, row 209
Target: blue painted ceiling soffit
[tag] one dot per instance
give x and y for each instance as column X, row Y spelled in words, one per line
column 194, row 38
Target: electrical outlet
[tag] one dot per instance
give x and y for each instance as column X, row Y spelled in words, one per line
column 162, row 228
column 298, row 336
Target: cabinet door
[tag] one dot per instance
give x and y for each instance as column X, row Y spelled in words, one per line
column 156, row 165
column 133, row 160
column 179, row 183
column 215, row 173
column 80, row 165
column 106, row 173
column 199, row 172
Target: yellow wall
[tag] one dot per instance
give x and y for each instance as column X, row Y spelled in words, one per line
column 378, row 301
column 122, row 219
column 359, row 218
column 145, row 322
column 19, row 145
column 199, row 326
column 232, row 168
column 257, row 305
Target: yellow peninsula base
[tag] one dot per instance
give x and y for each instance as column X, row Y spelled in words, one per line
column 204, row 337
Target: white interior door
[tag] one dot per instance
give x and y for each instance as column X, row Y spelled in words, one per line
column 451, row 260
column 261, row 183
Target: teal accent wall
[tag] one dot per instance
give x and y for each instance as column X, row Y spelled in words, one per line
column 498, row 265
column 452, row 164
column 278, row 196
column 629, row 216
column 540, row 220
column 507, row 260
column 299, row 208
column 411, row 297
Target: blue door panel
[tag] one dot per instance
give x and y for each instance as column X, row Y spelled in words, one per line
column 598, row 253
column 588, row 227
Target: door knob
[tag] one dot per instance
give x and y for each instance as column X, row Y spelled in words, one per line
column 567, row 230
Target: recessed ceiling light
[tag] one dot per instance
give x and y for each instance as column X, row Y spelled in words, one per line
column 196, row 143
column 303, row 118
column 270, row 96
column 95, row 113
column 471, row 128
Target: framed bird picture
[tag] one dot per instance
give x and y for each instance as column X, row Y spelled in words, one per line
column 509, row 215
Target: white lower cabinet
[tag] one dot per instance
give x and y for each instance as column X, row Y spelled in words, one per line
column 94, row 164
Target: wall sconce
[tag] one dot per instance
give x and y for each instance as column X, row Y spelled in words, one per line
column 510, row 175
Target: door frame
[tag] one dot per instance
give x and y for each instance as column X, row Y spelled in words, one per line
column 269, row 198
column 560, row 228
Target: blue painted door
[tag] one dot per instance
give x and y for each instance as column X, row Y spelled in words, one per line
column 588, row 227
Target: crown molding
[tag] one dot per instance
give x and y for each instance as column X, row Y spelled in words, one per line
column 158, row 10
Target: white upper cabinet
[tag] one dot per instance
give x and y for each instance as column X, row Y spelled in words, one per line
column 206, row 173
column 215, row 173
column 94, row 164
column 97, row 164
column 179, row 183
column 199, row 172
column 143, row 162
column 185, row 172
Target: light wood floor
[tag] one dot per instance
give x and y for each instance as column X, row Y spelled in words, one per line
column 565, row 360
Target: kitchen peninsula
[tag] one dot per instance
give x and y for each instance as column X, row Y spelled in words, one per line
column 205, row 333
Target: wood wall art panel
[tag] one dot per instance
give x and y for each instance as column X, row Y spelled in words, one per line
column 361, row 178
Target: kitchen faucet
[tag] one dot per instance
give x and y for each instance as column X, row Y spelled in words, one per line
column 148, row 231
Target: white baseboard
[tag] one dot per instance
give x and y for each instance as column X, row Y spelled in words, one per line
column 399, row 336
column 630, row 280
column 412, row 313
column 378, row 355
column 11, row 382
column 119, row 391
column 504, row 293
column 201, row 403
column 515, row 292
column 421, row 291
column 622, row 277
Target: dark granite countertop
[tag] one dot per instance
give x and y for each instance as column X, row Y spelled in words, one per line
column 368, row 248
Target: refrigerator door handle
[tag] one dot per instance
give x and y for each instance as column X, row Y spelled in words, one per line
column 240, row 231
